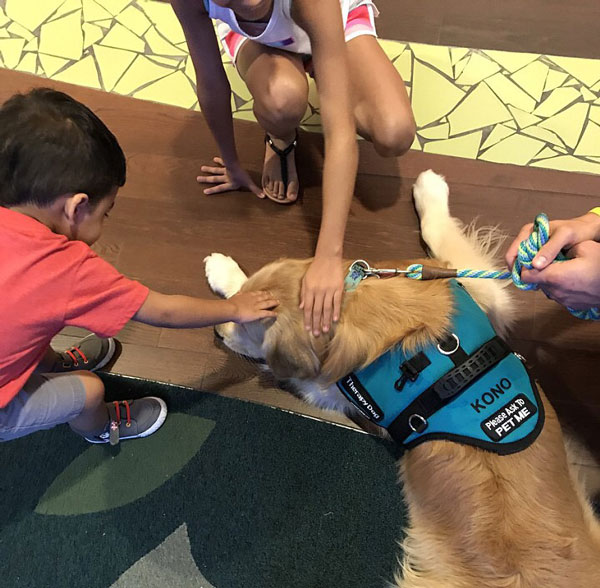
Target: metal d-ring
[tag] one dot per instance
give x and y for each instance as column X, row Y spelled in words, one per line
column 444, row 352
column 421, row 426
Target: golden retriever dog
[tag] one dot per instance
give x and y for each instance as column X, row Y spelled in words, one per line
column 477, row 518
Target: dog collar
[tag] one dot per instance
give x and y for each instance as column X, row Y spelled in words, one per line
column 469, row 388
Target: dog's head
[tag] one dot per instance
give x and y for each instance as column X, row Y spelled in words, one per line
column 375, row 317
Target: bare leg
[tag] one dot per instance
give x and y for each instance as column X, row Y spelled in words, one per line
column 278, row 84
column 382, row 107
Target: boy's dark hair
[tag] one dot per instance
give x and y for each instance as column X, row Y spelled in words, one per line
column 50, row 145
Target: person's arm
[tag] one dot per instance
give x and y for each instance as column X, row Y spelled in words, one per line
column 323, row 284
column 175, row 311
column 214, row 96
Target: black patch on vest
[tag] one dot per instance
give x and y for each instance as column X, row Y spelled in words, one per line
column 359, row 396
column 509, row 418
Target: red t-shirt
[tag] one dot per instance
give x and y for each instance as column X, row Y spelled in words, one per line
column 46, row 283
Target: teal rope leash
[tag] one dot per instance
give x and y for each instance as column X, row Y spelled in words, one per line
column 527, row 251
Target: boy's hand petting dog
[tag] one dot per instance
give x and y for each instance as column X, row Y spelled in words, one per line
column 252, row 306
column 227, row 179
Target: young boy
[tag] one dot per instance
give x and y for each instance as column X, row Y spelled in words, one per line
column 60, row 170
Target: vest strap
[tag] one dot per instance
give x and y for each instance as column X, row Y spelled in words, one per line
column 413, row 419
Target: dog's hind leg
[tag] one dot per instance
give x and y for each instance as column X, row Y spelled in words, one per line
column 462, row 248
column 224, row 275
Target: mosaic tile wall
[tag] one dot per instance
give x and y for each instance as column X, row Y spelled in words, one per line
column 519, row 108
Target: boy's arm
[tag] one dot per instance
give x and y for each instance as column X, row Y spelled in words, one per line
column 175, row 311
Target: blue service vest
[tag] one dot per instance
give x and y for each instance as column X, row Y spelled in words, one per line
column 469, row 389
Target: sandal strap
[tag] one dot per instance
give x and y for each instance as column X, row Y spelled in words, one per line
column 282, row 154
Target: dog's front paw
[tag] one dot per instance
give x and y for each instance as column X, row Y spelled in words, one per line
column 431, row 194
column 224, row 275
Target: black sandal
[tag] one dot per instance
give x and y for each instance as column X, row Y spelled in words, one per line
column 282, row 154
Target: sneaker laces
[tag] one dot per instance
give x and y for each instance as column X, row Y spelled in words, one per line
column 71, row 353
column 115, row 422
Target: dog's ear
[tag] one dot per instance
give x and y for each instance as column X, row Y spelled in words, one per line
column 288, row 349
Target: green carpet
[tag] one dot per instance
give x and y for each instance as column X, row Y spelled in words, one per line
column 228, row 494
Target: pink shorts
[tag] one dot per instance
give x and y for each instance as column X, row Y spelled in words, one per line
column 360, row 21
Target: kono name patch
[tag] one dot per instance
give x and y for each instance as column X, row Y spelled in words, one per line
column 509, row 418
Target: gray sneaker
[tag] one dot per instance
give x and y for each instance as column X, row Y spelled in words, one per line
column 130, row 419
column 91, row 354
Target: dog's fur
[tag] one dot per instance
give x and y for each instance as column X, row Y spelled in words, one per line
column 477, row 520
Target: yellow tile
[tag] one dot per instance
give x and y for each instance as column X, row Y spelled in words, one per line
column 160, row 45
column 555, row 79
column 11, row 50
column 546, row 153
column 465, row 146
column 91, row 34
column 31, row 14
column 480, row 108
column 516, row 149
column 51, row 64
column 18, row 31
column 498, row 133
column 544, row 135
column 595, row 114
column 457, row 53
column 168, row 61
column 313, row 95
column 83, row 73
column 3, row 18
column 532, row 78
column 587, row 95
column 560, row 149
column 31, row 45
column 105, row 24
column 162, row 15
column 510, row 93
column 404, row 65
column 174, row 89
column 92, row 11
column 589, row 143
column 512, row 61
column 571, row 82
column 141, row 72
column 237, row 84
column 135, row 20
column 416, row 145
column 437, row 132
column 115, row 6
column 596, row 88
column 585, row 70
column 523, row 119
column 68, row 6
column 433, row 95
column 121, row 38
column 438, row 57
column 569, row 163
column 63, row 37
column 28, row 63
column 569, row 123
column 4, row 34
column 392, row 49
column 557, row 101
column 460, row 66
column 312, row 119
column 478, row 68
column 245, row 115
column 511, row 124
column 112, row 64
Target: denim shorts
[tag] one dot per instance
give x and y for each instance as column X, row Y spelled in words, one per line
column 45, row 401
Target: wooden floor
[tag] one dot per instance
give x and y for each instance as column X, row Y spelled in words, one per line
column 163, row 226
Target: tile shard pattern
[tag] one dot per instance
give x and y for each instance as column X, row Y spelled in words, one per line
column 517, row 108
